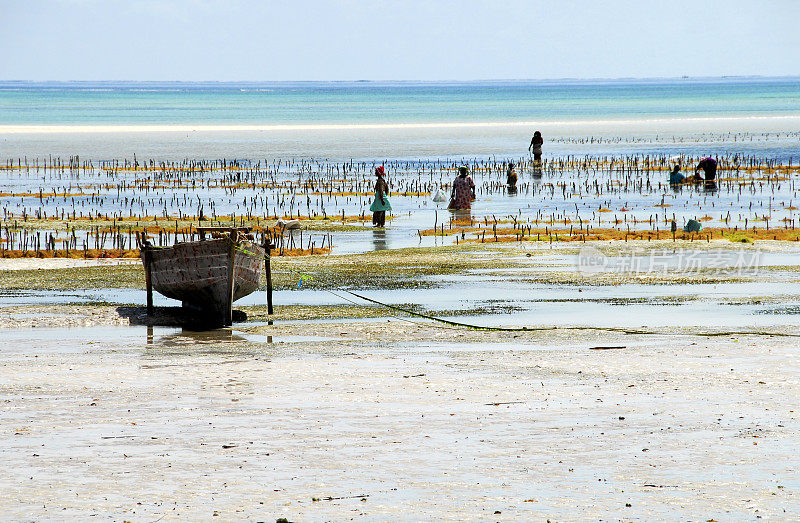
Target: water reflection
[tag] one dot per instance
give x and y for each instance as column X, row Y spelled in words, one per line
column 379, row 242
column 461, row 215
column 193, row 337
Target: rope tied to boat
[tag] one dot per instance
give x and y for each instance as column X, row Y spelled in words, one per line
column 519, row 329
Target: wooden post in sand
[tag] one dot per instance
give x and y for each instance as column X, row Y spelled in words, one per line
column 148, row 281
column 231, row 282
column 268, row 270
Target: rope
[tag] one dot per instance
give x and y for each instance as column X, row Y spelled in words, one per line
column 392, row 315
column 525, row 329
column 534, row 329
column 449, row 322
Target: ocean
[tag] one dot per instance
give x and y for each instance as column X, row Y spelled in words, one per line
column 287, row 103
column 362, row 120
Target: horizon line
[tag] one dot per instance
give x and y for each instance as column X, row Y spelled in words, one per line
column 474, row 80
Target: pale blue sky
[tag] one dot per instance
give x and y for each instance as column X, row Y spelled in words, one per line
column 395, row 40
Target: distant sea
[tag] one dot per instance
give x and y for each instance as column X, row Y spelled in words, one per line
column 391, row 119
column 353, row 103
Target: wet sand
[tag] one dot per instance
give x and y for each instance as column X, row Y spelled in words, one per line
column 351, row 411
column 259, row 422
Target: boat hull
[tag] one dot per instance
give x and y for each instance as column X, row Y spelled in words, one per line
column 206, row 276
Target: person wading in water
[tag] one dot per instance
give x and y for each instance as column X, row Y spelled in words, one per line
column 536, row 146
column 381, row 203
column 511, row 179
column 709, row 167
column 463, row 191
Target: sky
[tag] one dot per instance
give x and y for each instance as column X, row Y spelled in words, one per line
column 242, row 40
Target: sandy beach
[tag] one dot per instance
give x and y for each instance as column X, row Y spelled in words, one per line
column 389, row 419
column 325, row 416
column 346, row 141
column 699, row 123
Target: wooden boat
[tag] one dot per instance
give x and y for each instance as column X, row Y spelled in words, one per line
column 207, row 276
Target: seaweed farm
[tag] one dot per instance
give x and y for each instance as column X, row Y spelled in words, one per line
column 202, row 318
column 87, row 209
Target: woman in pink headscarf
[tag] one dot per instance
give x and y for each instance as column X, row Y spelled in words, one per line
column 381, row 203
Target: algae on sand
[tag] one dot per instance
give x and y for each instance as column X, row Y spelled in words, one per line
column 408, row 268
column 102, row 277
column 383, row 269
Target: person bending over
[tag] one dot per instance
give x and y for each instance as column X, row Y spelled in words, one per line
column 511, row 175
column 709, row 167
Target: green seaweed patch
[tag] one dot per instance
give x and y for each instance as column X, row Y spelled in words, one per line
column 738, row 237
column 314, row 312
column 390, row 269
column 75, row 278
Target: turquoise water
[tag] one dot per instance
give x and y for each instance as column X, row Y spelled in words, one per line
column 109, row 103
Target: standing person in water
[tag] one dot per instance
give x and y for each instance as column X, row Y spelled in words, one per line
column 511, row 175
column 709, row 167
column 463, row 191
column 536, row 146
column 381, row 203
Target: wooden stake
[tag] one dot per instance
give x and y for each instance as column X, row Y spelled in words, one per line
column 268, row 269
column 228, row 319
column 148, row 281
